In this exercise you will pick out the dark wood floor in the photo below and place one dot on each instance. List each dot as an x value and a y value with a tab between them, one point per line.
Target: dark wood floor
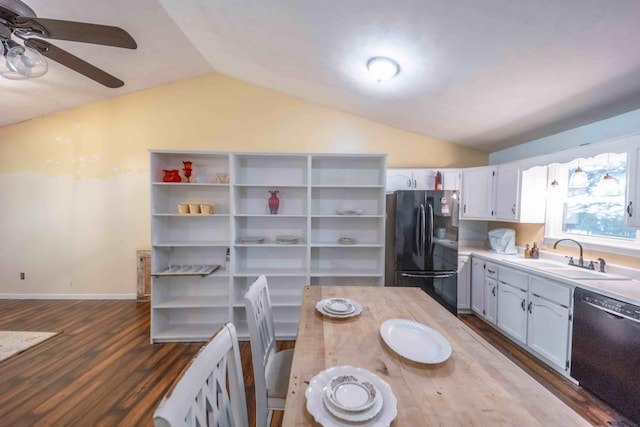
102	370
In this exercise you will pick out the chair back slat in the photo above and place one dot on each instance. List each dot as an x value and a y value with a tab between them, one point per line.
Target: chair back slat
210	390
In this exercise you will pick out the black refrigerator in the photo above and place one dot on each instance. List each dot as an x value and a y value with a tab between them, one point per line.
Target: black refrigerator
421	243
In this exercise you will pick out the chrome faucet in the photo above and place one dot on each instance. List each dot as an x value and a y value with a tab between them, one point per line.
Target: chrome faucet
581	260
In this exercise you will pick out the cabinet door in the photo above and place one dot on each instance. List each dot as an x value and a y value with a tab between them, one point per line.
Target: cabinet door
451	180
548	330
424	179
399	179
512	312
477	286
477	193
490	301
632	212
464	296
507	192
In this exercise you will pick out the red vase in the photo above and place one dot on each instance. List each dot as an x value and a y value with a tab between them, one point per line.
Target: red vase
274	202
171	175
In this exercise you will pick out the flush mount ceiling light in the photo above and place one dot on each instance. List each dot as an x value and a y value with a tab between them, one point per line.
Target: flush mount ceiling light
382	68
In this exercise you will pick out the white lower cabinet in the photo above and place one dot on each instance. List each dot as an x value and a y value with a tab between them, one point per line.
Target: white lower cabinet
512	312
464	283
535	313
484	290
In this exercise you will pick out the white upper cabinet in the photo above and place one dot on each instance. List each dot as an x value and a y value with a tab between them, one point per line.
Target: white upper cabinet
410	179
632	212
504	193
520	196
477	193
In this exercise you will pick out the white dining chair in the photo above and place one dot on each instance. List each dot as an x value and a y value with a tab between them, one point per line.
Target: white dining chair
210	390
271	369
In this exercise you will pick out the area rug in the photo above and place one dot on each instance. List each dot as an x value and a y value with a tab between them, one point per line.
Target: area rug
14	342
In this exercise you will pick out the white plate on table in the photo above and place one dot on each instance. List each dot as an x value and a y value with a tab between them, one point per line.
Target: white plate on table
321	307
315	393
339	306
415	341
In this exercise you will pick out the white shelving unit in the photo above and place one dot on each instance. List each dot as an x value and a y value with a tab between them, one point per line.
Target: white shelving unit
323	198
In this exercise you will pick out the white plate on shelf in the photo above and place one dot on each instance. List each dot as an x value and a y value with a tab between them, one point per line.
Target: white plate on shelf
252	239
318	409
320	306
415	341
347	241
287	239
349	212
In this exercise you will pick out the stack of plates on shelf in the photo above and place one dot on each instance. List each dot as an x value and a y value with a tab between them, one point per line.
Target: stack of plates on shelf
346	396
349	212
347	241
339	307
252	239
286	239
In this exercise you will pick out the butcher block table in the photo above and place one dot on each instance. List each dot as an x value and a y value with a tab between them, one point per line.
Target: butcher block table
477	385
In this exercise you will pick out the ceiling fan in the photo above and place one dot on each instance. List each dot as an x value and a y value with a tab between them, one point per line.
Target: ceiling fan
26	60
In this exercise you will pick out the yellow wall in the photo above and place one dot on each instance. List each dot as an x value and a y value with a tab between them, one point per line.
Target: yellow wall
74	185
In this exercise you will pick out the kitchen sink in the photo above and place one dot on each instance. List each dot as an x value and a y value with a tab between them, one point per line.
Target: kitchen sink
584	274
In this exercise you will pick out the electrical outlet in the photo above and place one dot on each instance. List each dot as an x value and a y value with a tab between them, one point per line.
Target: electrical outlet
21	276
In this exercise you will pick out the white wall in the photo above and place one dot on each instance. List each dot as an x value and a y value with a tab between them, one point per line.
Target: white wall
614	127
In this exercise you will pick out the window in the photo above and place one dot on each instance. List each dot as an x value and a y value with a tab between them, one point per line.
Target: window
587	200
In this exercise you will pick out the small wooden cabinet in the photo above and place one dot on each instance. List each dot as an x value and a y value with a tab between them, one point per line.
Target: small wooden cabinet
477	193
484	289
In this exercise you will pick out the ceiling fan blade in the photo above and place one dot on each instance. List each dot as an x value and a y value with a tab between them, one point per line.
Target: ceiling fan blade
76	64
74	31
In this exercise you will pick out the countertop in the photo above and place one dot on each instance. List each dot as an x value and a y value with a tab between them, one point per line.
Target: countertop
626	290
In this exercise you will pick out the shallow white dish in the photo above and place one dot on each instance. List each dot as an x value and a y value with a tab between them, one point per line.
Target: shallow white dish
354	417
320	306
350	393
339	306
415	341
315	398
349	212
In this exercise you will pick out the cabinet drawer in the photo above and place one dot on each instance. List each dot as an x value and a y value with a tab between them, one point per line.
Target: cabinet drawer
551	291
491	270
513	277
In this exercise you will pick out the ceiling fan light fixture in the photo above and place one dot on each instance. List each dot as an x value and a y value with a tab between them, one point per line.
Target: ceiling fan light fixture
26	61
382	68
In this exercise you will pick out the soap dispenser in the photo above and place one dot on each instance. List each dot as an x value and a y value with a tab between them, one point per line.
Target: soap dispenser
527	252
535	253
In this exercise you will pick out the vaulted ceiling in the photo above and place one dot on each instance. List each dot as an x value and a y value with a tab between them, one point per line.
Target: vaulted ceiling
489	74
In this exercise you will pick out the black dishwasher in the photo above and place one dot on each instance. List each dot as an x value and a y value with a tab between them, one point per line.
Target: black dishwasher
605	351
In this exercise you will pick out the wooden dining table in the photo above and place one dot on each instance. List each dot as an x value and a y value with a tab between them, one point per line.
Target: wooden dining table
477	385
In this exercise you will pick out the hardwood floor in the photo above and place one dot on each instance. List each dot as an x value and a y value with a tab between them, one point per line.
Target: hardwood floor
102	370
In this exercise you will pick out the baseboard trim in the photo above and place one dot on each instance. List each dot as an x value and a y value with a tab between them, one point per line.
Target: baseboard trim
68	296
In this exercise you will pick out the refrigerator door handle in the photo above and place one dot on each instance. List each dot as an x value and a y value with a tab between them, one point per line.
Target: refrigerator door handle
436	275
423	227
429	232
418	231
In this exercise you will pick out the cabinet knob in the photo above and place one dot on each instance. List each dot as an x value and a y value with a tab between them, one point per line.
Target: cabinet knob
530	307
409	183
493	291
513	209
630	209
523	305
415	184
464	208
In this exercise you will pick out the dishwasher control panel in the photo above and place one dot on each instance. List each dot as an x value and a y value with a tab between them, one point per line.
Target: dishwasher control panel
612	305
